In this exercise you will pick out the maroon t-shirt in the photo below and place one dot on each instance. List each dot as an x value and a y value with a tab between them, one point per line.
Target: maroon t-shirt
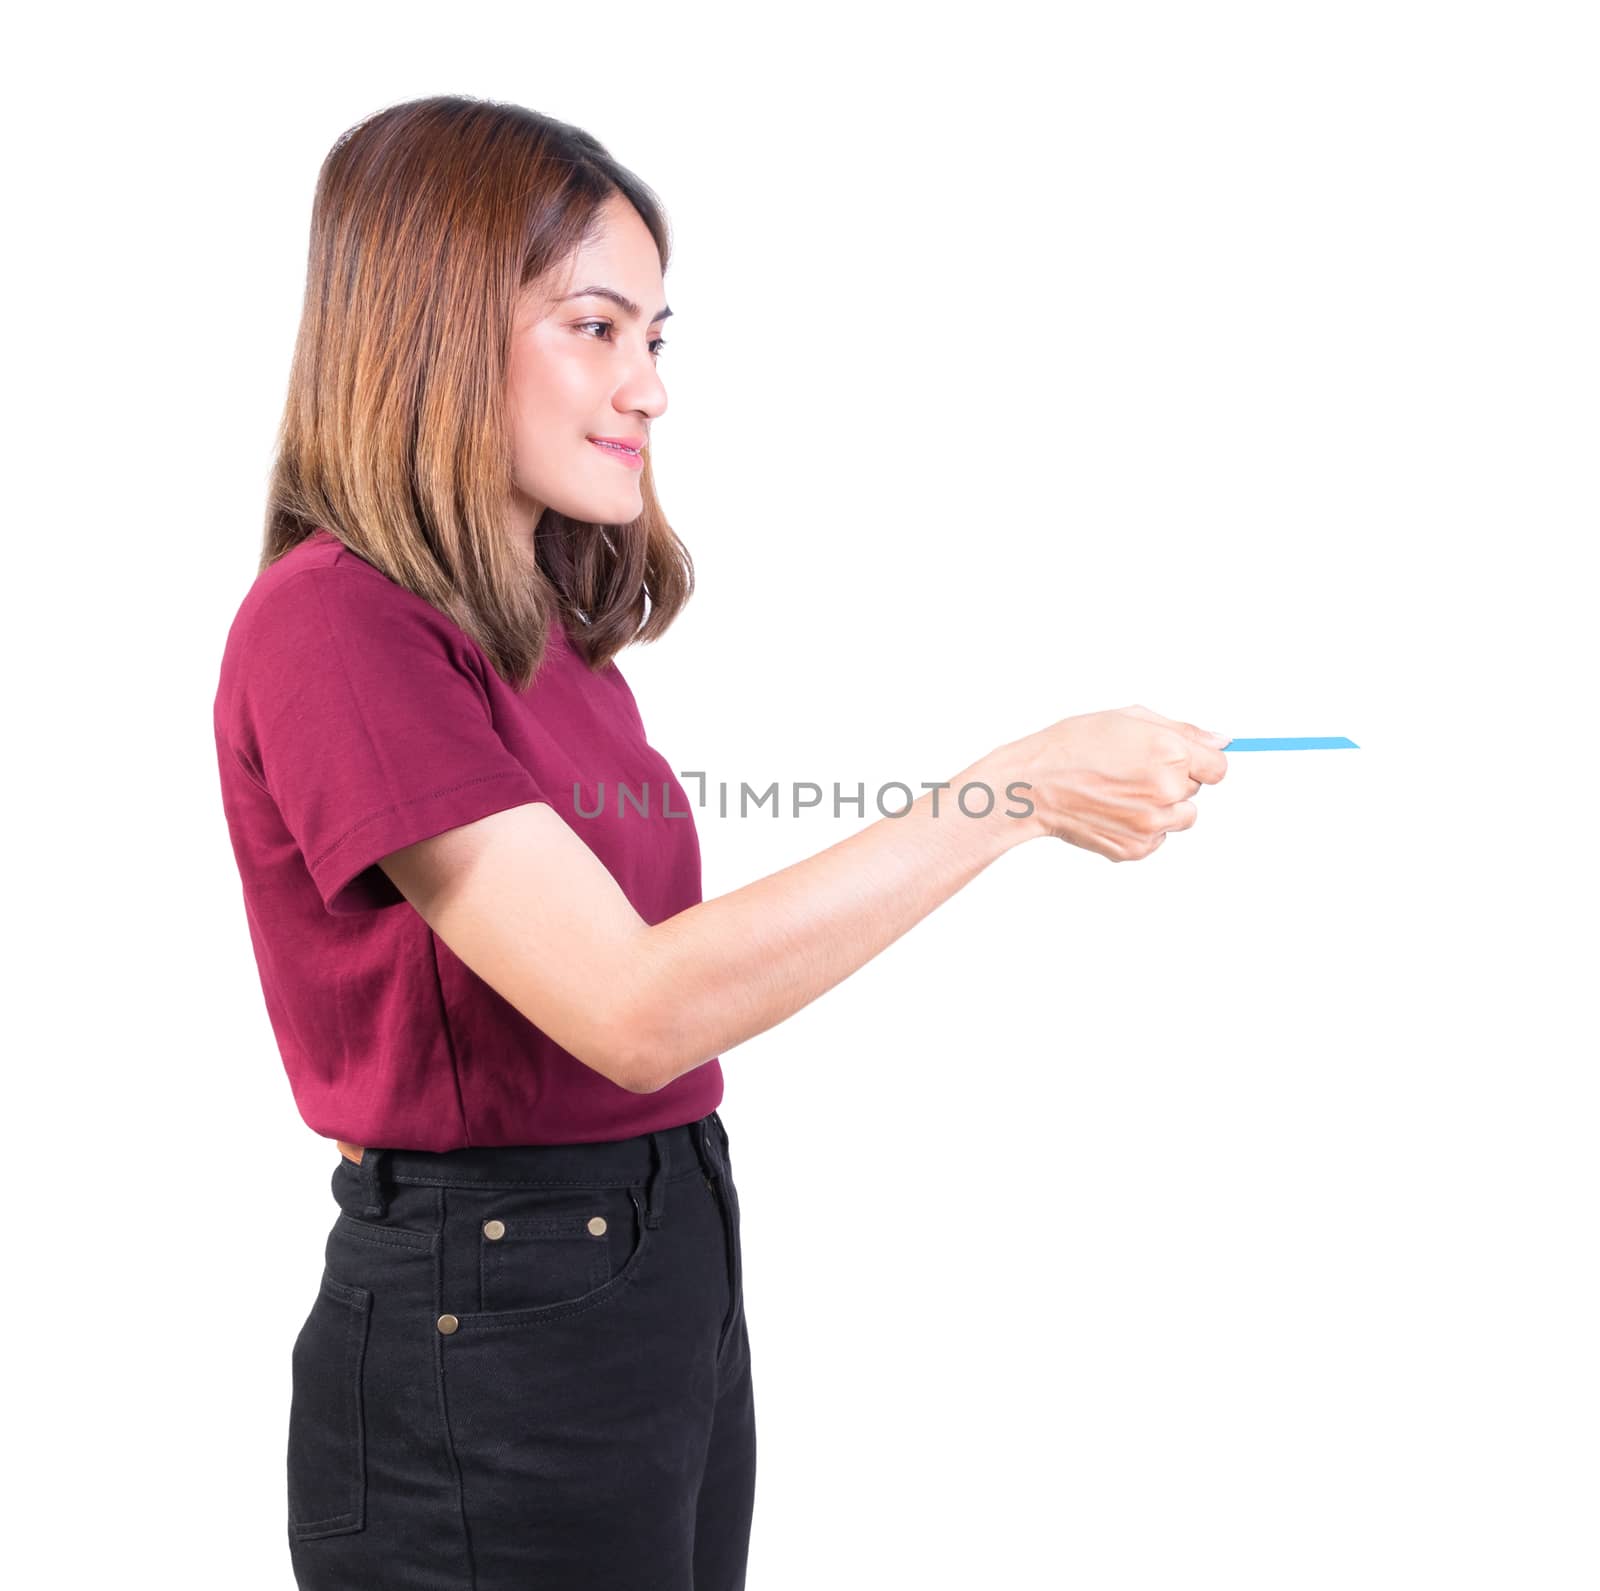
353	718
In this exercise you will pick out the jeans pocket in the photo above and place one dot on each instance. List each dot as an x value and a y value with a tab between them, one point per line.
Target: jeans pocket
538	1248
327	1459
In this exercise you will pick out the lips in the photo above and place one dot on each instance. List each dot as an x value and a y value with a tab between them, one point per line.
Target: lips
630	458
622	444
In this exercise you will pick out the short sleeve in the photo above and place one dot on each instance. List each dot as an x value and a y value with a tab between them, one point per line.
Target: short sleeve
360	710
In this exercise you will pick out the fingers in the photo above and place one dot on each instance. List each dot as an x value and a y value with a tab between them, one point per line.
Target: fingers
1183	726
1180	815
1206	761
1147	786
1206	764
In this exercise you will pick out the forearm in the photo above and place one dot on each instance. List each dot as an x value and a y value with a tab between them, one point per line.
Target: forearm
729	968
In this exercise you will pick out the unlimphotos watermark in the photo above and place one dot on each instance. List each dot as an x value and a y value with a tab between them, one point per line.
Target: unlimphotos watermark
767	802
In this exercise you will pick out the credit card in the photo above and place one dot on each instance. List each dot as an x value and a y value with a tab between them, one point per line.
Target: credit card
1291	743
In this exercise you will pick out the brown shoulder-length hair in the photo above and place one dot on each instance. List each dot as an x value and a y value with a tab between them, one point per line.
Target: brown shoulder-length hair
429	219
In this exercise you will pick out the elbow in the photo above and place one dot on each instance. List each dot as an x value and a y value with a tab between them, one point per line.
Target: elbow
625	1064
628	1055
618	1059
634	1038
639	1070
619	1062
647	1053
651	1039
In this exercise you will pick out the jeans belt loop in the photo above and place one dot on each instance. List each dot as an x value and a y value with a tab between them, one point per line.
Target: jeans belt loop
371	1186
656	1197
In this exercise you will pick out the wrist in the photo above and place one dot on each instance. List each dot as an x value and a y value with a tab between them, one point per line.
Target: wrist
998	781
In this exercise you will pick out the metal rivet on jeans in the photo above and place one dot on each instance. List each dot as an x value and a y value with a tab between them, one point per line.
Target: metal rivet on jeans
448	1323
597	1225
494	1230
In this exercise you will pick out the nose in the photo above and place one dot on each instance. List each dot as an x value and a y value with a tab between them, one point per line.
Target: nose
642	393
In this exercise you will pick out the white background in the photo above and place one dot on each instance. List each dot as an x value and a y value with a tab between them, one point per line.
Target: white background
1226	1219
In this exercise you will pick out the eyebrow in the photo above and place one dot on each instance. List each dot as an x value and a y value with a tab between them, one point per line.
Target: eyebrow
620	299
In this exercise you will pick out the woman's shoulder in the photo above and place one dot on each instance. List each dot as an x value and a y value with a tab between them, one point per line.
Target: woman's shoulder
320	552
319	607
321	580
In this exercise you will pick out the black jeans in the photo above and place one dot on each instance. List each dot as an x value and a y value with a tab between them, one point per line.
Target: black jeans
527	1368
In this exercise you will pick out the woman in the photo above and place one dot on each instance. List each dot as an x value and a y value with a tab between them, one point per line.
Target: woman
482	945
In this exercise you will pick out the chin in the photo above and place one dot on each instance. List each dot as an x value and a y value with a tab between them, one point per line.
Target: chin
619	509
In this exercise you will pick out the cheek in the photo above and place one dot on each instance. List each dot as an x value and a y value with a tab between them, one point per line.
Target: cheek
550	401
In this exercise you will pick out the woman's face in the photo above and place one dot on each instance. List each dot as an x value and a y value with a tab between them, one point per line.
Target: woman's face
583	366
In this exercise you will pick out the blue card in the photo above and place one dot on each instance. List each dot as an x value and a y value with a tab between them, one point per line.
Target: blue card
1292	743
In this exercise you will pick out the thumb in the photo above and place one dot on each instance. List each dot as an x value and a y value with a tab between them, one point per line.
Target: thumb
1205	737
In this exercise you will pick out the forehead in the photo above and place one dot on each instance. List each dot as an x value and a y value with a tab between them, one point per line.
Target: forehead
621	254
621	240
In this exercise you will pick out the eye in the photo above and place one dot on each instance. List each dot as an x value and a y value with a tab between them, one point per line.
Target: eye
609	326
